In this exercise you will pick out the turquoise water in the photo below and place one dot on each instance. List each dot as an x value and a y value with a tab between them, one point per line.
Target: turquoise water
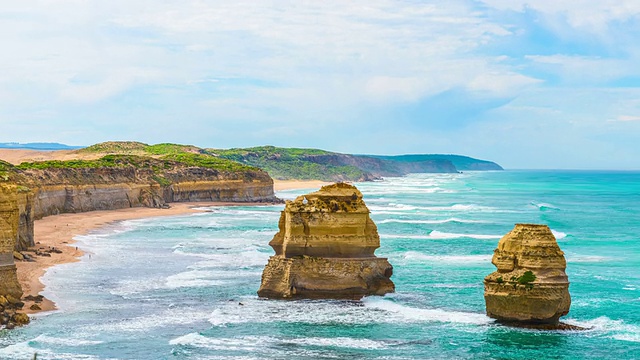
185	287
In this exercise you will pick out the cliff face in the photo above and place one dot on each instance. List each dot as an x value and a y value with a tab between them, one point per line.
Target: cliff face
73	190
59	191
9	220
325	249
530	285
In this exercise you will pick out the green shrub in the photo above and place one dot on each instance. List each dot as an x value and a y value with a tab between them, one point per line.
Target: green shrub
526	278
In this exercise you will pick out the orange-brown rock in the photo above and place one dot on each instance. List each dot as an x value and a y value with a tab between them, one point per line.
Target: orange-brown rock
530	285
10	195
325	249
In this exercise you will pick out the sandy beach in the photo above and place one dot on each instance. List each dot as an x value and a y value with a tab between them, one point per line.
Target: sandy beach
58	232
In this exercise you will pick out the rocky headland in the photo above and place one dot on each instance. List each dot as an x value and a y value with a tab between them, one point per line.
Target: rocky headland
325	249
530	287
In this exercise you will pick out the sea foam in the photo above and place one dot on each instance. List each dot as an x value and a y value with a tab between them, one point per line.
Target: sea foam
442	221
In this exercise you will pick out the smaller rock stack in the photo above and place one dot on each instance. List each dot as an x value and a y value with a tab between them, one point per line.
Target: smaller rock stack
325	249
531	287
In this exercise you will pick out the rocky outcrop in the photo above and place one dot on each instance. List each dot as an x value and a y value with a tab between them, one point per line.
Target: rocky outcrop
530	286
9	220
9	315
325	249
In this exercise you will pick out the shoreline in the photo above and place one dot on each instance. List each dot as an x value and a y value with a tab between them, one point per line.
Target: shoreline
59	231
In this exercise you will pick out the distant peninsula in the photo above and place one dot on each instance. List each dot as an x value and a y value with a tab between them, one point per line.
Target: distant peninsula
315	164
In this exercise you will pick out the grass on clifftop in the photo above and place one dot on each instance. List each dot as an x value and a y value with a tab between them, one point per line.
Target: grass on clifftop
207	161
186	154
115	161
290	163
114	147
5	167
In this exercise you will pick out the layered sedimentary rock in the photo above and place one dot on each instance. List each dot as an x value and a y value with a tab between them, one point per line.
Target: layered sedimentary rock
530	285
9	220
73	190
325	249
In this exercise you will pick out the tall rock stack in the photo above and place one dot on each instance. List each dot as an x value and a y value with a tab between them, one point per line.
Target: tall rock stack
9	233
325	249
530	286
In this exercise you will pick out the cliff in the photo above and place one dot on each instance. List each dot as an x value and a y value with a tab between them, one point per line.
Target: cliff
325	249
10	200
530	285
122	181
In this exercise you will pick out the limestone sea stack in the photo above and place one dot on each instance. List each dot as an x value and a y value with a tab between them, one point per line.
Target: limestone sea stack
325	249
530	286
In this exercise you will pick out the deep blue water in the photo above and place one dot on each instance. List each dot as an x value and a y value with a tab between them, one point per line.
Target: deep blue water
185	287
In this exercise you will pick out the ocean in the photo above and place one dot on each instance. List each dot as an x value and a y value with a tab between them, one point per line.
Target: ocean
185	287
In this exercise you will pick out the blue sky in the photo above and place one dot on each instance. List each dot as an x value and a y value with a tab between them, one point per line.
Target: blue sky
529	84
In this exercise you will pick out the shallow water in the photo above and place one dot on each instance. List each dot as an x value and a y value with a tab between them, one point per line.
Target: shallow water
184	287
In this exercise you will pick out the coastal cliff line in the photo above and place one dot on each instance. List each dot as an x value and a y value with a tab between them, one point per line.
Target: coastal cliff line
123	181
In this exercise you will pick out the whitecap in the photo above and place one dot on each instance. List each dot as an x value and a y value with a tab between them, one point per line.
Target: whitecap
257	343
442	221
452	259
412	314
169	317
245	343
614	329
67	341
193	278
558	234
22	350
335	312
587	259
243	259
439	235
544	206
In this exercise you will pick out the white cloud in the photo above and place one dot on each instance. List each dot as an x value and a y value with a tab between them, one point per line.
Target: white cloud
583	69
628	118
588	15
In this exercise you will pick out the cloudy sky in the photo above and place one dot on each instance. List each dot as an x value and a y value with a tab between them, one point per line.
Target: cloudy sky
529	84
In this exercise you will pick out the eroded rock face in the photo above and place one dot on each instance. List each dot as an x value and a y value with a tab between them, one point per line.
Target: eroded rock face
530	285
9	234
325	249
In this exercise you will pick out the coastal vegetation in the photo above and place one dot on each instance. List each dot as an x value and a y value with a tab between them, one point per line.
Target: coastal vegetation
292	163
307	164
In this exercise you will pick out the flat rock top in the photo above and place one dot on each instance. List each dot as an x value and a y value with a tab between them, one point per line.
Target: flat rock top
337	190
338	197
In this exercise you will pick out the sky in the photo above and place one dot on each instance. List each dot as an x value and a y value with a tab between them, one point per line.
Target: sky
528	84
